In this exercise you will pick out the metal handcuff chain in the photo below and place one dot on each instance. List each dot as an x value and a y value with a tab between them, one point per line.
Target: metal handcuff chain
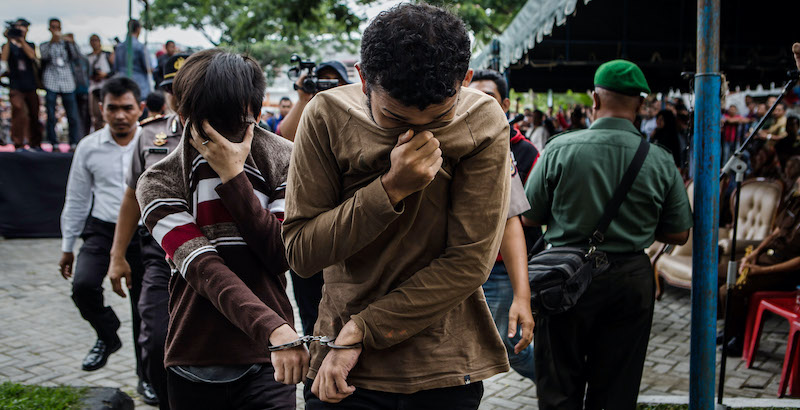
323	340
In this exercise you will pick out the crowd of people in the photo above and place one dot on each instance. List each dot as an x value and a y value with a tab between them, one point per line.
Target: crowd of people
406	217
772	155
65	73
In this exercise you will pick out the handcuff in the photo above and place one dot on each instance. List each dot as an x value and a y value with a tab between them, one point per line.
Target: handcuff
323	340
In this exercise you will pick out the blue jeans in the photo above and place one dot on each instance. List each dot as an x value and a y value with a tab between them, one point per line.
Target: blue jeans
499	296
71	107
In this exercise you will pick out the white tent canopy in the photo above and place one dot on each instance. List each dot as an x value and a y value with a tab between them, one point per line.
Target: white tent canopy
536	19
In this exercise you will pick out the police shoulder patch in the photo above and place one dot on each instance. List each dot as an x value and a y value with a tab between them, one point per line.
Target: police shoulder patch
152	118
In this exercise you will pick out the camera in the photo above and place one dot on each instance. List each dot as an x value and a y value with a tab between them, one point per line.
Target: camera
96	74
311	84
12	31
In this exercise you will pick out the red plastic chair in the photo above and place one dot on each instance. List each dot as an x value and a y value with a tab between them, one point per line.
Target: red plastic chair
785	307
790	375
755	301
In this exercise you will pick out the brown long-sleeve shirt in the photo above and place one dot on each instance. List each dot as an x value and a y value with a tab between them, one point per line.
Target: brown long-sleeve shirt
411	275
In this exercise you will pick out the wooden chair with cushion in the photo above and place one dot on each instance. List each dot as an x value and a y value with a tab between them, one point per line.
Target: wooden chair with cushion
761	199
759	204
675	259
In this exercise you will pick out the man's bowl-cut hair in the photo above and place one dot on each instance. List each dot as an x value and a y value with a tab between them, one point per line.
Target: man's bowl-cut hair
225	88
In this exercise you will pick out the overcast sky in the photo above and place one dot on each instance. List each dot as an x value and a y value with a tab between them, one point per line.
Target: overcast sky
106	18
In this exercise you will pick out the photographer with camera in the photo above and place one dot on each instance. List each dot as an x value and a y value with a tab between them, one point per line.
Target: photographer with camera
58	55
20	55
101	65
327	75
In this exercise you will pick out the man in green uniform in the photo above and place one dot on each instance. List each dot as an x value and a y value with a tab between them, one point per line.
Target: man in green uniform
601	342
160	135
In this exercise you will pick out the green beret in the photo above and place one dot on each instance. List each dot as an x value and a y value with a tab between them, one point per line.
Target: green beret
621	76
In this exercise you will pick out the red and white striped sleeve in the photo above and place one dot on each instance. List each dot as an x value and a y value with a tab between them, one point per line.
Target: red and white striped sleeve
175	229
171	224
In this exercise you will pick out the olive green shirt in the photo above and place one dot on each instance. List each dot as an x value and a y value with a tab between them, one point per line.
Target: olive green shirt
577	174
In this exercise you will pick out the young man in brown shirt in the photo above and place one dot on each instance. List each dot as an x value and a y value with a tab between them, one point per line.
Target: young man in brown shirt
398	190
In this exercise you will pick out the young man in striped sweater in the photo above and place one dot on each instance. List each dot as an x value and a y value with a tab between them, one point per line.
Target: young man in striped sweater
215	204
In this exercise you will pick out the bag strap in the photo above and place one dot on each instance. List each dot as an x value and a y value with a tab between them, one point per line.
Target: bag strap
612	207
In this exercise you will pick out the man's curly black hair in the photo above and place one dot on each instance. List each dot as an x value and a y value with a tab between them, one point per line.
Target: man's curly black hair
418	53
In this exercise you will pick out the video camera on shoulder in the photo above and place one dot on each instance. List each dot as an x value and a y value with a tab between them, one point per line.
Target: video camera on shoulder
12	31
312	84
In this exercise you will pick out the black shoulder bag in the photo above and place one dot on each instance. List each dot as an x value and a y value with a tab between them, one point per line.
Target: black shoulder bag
558	276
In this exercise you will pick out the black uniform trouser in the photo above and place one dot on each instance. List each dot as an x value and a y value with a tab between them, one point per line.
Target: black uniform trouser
154	309
87	283
308	294
601	342
739	298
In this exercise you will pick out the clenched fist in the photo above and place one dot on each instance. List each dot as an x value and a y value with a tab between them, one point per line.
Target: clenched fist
415	161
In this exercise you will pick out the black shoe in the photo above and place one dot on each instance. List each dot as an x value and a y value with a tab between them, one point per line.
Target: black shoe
720	338
735	347
145	390
98	356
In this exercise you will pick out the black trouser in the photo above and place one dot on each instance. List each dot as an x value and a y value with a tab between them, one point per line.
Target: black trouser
258	391
739	298
308	294
601	341
87	283
459	397
84	112
154	309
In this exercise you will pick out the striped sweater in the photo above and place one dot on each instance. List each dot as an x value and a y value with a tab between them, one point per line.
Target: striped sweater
228	289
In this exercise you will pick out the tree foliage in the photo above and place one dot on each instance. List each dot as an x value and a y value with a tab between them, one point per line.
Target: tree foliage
486	19
269	29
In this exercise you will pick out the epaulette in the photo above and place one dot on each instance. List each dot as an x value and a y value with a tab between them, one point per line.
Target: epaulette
655	144
152	118
564	133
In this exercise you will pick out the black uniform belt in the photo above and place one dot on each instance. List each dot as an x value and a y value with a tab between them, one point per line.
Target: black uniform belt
618	256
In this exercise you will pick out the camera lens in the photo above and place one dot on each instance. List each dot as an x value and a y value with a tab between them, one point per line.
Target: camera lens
294	74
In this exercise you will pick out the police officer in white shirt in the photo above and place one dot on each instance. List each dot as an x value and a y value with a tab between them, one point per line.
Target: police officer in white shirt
96	183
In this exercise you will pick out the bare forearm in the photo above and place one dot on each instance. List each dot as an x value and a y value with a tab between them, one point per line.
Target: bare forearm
514	253
678	238
761	246
4	55
289	124
127	221
28	50
530	222
791	265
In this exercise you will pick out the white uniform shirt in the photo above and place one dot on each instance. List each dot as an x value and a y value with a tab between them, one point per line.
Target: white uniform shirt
97	175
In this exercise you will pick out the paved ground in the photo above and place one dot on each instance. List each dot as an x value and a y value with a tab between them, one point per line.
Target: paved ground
43	339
